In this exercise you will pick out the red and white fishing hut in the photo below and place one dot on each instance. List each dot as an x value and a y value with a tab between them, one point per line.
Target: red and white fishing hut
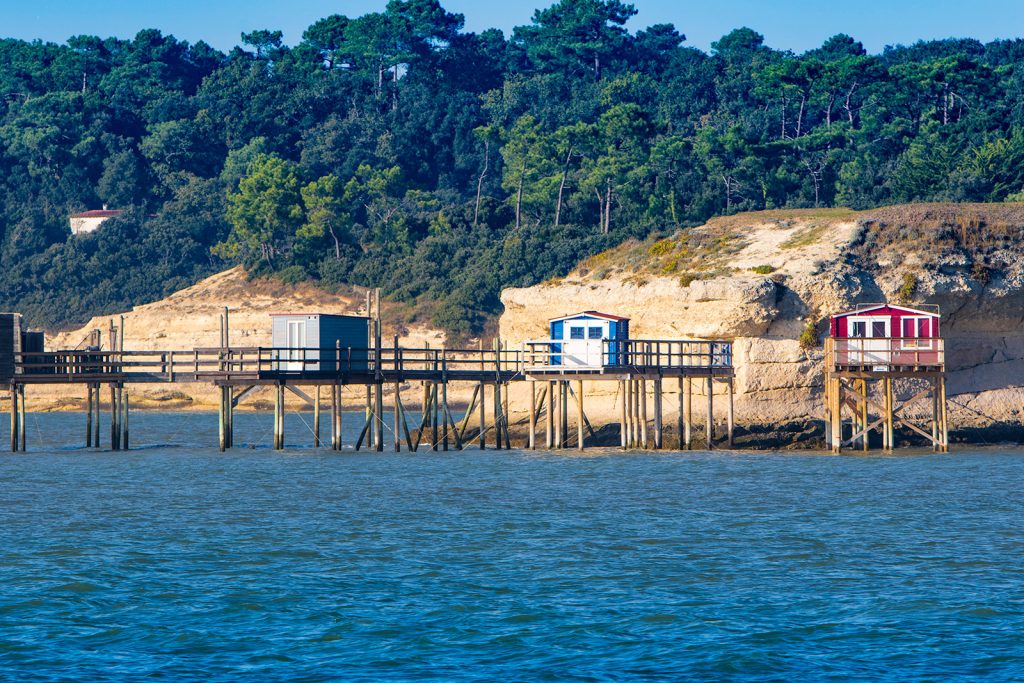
868	348
878	335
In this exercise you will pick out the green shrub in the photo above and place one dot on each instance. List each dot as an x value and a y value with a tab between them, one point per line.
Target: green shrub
809	337
907	289
763	269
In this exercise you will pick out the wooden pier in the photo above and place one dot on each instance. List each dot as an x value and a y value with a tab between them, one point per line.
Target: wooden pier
639	368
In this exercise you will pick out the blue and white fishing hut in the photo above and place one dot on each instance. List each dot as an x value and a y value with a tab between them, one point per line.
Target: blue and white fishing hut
320	342
579	340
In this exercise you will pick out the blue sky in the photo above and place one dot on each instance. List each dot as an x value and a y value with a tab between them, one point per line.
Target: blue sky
787	24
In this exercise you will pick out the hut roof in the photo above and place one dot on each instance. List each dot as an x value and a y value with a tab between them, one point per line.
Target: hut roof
864	309
592	314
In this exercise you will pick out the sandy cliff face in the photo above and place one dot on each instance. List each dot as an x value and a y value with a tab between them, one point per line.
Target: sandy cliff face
191	318
705	283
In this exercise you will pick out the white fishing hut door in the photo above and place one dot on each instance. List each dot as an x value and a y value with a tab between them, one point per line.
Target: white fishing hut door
296	342
870	339
584	343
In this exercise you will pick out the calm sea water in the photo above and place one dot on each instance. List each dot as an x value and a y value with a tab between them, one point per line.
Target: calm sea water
175	562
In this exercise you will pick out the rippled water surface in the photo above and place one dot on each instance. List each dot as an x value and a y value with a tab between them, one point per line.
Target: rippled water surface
177	562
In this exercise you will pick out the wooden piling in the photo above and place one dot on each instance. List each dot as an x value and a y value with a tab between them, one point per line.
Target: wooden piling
563	401
730	415
532	441
115	433
709	426
657	415
279	418
124	420
434	412
396	418
623	436
549	419
482	410
579	414
22	421
944	430
444	399
222	411
14	418
643	412
96	405
688	411
88	416
316	417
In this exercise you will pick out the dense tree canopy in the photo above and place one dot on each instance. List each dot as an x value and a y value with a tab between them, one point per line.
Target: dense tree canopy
397	150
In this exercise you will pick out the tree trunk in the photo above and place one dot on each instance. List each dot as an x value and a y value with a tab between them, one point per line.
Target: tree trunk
800	114
337	243
782	118
608	206
480	181
519	197
828	110
848	105
561	187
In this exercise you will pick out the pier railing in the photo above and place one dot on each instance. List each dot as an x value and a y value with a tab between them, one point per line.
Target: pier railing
235	363
639	354
885	353
362	364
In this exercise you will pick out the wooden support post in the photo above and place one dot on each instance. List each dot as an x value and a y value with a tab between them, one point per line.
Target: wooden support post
434	433
864	415
936	446
679	417
88	417
532	441
444	399
579	414
563	401
336	417
837	414
549	419
731	415
623	435
496	396
14	418
709	426
22	421
482	409
827	397
688	418
316	417
279	418
396	418
643	412
115	441
124	420
657	415
628	403
231	417
96	423
944	432
222	411
379	417
636	413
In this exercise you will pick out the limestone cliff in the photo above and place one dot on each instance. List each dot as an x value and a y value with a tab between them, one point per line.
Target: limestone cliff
769	280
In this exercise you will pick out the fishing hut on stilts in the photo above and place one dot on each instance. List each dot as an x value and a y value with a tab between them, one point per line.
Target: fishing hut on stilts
884	370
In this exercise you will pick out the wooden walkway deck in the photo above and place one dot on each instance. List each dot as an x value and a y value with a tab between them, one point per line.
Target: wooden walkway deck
238	371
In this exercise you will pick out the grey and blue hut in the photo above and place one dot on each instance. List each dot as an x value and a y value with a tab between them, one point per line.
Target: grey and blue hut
320	342
579	340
